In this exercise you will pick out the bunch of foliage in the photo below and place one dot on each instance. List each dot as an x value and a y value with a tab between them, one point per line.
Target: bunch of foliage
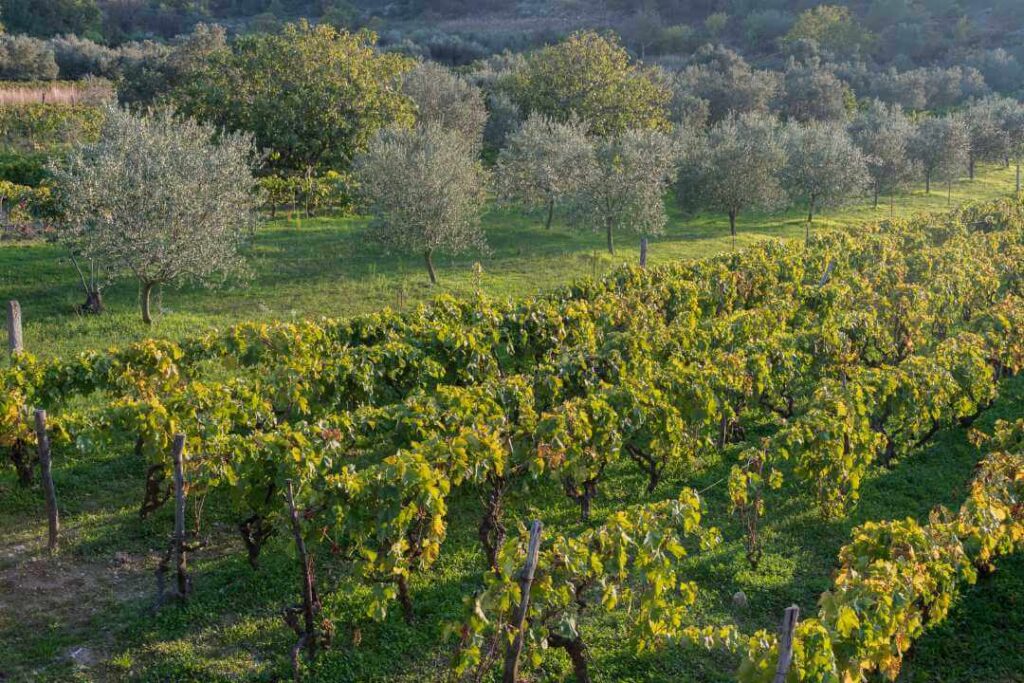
313	95
156	198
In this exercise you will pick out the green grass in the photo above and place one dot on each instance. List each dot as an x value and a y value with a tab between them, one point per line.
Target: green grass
328	267
92	602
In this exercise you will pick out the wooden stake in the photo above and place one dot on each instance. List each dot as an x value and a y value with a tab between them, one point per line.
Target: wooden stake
643	252
525	581
177	455
786	643
15	343
46	474
827	275
308	609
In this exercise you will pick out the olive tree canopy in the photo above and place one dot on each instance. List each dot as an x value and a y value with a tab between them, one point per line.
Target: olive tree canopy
627	189
941	145
447	99
735	166
425	187
883	133
545	162
156	198
823	166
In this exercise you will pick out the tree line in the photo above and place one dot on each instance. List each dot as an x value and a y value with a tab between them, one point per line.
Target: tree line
577	130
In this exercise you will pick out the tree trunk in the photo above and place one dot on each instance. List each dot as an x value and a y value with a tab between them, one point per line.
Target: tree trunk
93	302
577	652
428	257
970	169
405	599
732	222
949	193
551	214
927	183
491	531
810	211
611	241
876	196
144	296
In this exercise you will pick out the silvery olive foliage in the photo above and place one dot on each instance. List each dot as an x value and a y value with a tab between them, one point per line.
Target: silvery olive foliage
989	139
942	148
23	58
1012	118
883	132
626	192
545	162
823	166
813	92
735	166
156	198
425	187
447	99
503	119
729	85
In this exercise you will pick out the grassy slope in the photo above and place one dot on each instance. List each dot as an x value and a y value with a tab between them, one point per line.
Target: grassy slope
327	267
90	605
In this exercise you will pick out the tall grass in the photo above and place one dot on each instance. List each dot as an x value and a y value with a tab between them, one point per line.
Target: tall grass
90	91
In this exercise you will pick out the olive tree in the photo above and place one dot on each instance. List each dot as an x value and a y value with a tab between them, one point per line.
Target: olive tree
626	191
727	83
883	134
447	99
1013	123
823	166
158	199
425	187
545	162
941	145
26	59
989	140
813	92
734	167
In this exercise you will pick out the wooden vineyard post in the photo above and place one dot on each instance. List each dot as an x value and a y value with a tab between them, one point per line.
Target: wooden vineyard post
643	252
46	474
177	453
310	604
525	581
15	342
177	547
786	643
827	275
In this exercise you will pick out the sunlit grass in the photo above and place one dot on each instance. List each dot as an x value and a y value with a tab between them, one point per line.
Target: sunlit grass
306	268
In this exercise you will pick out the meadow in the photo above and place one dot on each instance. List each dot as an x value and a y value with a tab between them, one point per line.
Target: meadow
328	266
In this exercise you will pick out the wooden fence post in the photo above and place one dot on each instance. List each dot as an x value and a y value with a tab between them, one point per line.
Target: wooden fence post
511	673
46	474
786	643
177	454
15	344
643	252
